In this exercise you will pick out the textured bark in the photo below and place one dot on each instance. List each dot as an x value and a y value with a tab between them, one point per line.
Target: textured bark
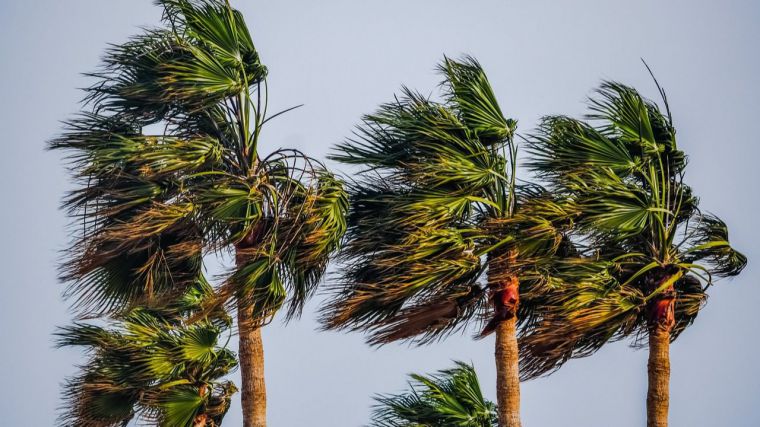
253	390
661	320
505	296
253	394
658	393
508	373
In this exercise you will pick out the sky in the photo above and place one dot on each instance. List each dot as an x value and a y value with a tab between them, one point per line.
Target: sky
342	59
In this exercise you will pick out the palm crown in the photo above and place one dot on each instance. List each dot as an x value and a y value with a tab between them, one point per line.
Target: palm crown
199	184
449	398
151	365
437	194
621	181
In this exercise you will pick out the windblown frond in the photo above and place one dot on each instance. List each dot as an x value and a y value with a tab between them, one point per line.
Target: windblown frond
470	91
451	398
205	56
708	243
314	229
149	367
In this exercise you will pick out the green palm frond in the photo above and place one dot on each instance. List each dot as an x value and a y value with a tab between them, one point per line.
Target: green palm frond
576	322
469	89
315	230
180	407
424	143
537	228
110	281
638	123
149	366
709	243
569	149
214	24
258	282
206	55
451	397
417	271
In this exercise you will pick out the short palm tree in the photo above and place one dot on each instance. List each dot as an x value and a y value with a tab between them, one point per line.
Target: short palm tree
434	208
621	178
449	398
151	366
170	169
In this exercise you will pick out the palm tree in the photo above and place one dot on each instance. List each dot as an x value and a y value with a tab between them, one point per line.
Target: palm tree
435	207
167	156
621	178
151	366
449	398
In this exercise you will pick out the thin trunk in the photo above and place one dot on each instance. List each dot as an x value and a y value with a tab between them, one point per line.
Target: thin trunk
661	322
658	394
253	393
505	296
508	373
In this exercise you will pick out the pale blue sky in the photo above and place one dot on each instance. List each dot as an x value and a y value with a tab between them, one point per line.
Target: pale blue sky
343	58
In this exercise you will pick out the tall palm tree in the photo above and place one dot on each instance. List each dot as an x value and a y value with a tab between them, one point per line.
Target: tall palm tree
168	159
151	365
449	398
435	207
621	178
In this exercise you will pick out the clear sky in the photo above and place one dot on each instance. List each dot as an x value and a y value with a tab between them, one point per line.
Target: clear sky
342	59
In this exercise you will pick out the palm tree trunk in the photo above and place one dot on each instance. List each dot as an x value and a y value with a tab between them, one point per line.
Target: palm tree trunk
661	319
253	393
508	373
505	296
658	393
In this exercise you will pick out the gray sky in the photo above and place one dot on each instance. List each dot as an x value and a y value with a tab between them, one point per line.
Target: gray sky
343	58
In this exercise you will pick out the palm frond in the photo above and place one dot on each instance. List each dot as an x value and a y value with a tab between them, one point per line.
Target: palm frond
470	91
150	367
451	397
314	232
708	242
205	56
